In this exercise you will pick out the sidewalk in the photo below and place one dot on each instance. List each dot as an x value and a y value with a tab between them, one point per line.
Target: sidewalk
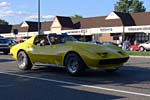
139	56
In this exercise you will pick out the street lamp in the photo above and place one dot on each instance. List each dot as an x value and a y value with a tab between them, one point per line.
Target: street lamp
39	26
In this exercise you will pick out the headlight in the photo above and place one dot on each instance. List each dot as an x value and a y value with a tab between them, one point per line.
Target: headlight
104	54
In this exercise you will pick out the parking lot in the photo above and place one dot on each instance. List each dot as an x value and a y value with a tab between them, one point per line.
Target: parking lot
131	82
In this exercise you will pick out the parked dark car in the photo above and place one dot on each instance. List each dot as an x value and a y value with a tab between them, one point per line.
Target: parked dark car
5	45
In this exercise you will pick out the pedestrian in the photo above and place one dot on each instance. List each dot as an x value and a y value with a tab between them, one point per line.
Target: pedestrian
125	45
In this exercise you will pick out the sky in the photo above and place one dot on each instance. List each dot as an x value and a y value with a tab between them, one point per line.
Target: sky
17	11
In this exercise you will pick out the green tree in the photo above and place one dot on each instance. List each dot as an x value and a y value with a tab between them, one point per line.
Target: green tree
129	6
3	22
76	16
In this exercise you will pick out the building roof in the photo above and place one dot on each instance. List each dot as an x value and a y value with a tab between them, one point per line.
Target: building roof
142	18
5	29
126	18
95	22
65	22
33	26
101	21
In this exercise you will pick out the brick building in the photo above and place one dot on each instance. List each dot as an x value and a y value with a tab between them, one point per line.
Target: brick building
114	27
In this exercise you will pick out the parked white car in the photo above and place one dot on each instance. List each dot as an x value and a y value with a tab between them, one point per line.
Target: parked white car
145	46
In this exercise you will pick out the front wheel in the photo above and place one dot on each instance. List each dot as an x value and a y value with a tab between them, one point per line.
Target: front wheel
142	49
23	61
74	64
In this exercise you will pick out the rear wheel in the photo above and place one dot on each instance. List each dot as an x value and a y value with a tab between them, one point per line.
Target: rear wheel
74	64
23	61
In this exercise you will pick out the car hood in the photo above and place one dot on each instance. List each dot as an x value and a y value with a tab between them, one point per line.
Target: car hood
96	48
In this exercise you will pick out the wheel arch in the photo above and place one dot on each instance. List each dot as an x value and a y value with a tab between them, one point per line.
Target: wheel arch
20	51
25	53
142	47
74	53
28	64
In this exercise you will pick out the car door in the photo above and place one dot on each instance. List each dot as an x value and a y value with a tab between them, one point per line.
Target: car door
147	45
52	54
38	51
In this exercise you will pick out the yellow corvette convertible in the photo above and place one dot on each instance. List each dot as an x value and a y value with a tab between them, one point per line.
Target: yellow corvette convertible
66	51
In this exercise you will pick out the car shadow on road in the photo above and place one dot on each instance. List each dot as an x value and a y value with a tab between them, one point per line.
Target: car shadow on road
125	76
26	88
5	60
57	73
3	53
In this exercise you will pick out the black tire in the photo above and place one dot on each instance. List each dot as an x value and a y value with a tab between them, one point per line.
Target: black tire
142	48
74	64
23	61
111	70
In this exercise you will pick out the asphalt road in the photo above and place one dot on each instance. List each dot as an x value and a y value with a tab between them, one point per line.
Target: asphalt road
131	82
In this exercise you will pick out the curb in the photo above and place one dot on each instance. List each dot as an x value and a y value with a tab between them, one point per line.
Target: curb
140	56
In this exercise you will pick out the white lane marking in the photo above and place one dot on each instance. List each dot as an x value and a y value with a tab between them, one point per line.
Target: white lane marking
77	84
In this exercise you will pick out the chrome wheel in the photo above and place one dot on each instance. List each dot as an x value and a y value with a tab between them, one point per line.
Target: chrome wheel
74	64
23	61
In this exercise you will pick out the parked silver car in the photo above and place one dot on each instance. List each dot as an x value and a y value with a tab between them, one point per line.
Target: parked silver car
145	46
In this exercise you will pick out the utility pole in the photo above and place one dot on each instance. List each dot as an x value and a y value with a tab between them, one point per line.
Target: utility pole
39	26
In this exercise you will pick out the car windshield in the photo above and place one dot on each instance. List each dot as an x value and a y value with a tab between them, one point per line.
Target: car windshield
62	38
148	41
11	41
69	38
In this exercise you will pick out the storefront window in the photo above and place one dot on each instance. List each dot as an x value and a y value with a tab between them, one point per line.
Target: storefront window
115	35
148	36
116	38
142	37
96	37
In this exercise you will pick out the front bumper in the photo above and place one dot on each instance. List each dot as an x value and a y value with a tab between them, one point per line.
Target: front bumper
113	61
110	63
